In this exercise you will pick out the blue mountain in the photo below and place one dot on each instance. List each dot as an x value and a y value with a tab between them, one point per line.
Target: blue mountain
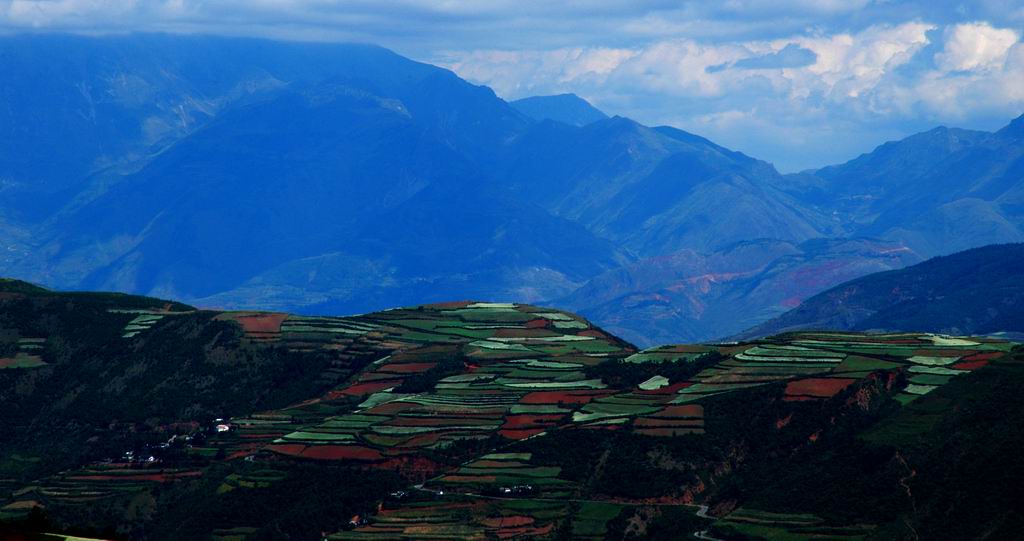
977	291
339	177
237	171
566	108
939	192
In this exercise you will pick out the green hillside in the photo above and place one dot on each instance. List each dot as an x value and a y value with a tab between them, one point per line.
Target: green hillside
135	418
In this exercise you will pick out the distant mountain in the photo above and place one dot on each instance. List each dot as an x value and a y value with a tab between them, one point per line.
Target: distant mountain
346	178
654	190
332	158
972	292
339	177
939	191
566	108
296	176
695	297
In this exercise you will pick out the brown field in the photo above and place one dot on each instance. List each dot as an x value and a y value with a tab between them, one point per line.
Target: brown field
816	388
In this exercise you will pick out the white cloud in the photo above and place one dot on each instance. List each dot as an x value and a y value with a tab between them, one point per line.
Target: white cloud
846	66
850	65
975	46
860	84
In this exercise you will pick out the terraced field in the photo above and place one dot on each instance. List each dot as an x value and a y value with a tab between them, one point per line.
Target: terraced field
85	486
27	354
453	397
462	518
754	524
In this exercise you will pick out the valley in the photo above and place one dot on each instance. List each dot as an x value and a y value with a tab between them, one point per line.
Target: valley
326	178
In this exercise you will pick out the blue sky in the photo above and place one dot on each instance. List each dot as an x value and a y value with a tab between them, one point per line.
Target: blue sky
801	83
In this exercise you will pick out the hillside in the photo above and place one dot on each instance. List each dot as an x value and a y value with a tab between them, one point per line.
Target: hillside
692	297
135	418
976	291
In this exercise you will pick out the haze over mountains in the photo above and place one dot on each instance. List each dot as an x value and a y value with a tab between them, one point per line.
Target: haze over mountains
726	291
346	178
977	291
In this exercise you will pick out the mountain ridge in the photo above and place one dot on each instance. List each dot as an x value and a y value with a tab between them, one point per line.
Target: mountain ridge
973	291
566	108
697	297
293	157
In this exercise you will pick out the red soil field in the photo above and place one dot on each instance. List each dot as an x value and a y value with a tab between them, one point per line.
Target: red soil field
520	434
289	449
415	468
603	427
423	440
816	387
687	410
986	356
523	421
536	324
261	323
513	521
971	365
567	397
594	333
407	368
360	389
326	452
450	305
341	452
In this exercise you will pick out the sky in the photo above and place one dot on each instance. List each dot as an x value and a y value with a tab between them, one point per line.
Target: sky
800	83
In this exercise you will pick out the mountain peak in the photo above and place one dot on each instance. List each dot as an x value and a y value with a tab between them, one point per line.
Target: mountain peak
1014	129
566	108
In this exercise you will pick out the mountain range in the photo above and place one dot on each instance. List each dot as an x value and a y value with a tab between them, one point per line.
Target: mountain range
345	178
977	291
727	291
